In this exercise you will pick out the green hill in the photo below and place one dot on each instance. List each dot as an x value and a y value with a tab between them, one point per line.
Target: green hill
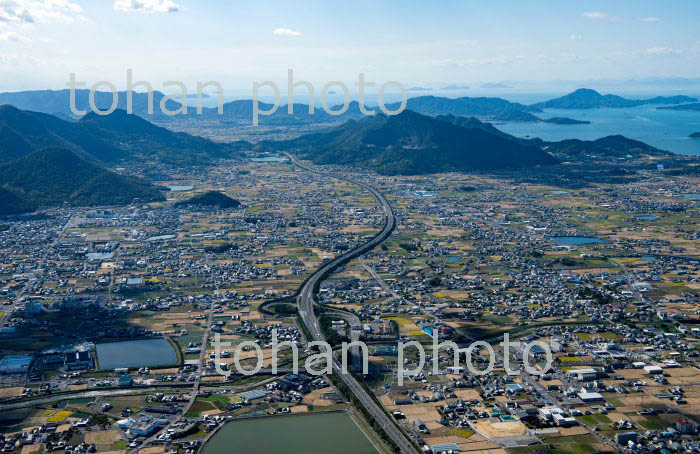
54	176
211	199
11	204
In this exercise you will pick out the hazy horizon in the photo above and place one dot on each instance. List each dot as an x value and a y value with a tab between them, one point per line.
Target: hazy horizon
430	44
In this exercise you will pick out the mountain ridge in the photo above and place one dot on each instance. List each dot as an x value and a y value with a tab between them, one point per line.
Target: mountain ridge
105	138
412	143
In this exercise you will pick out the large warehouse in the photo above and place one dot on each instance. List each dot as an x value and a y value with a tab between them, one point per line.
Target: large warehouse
15	364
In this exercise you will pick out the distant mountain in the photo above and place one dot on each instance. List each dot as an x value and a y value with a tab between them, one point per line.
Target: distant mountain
54	176
471	122
495	108
695	135
211	199
109	138
585	98
691	107
57	102
514	115
411	143
240	112
606	147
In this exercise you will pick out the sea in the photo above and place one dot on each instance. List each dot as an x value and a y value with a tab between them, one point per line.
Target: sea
664	129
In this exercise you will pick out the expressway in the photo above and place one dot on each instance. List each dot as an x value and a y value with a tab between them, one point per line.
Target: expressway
306	309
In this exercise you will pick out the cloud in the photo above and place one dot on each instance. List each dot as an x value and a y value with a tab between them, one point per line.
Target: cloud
13	36
596	15
146	6
285	32
649	19
661	50
575	37
19	60
42	11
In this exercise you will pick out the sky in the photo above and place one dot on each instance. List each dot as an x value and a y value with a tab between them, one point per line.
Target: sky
425	43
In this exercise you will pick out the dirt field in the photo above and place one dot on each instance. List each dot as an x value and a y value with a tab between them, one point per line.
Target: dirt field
31	449
153	450
468	394
102	437
6	393
493	429
316	397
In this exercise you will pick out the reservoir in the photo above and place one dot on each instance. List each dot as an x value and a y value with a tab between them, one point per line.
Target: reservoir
329	433
135	353
270	159
577	240
180	188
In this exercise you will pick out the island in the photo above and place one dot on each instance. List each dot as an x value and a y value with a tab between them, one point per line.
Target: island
695	135
565	121
585	98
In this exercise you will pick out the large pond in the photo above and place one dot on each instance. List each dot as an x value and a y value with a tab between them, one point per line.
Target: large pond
328	433
271	159
135	353
180	188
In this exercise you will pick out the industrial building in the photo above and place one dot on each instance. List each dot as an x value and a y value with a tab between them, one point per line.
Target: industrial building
15	364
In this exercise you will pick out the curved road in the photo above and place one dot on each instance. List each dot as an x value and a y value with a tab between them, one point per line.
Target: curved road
306	309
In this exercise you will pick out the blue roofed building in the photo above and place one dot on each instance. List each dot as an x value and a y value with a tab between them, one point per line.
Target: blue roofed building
15	364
